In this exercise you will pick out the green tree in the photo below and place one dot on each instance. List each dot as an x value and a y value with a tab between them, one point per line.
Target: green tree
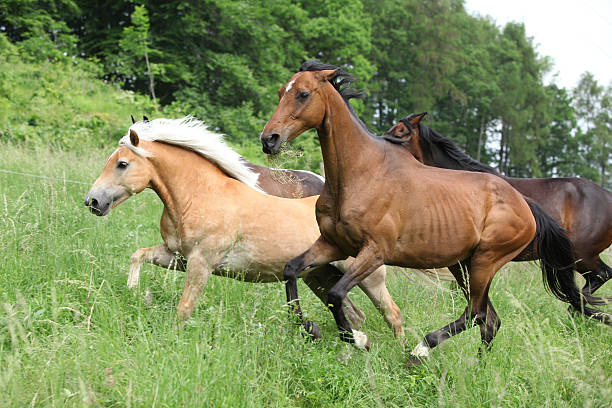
134	60
466	112
559	153
522	105
39	26
414	49
594	111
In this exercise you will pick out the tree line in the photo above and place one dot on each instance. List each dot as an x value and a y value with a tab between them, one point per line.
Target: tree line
224	60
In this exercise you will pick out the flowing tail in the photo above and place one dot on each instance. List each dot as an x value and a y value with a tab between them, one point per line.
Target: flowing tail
556	254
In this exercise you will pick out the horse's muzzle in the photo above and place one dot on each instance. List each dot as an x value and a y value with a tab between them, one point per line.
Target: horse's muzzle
99	204
270	143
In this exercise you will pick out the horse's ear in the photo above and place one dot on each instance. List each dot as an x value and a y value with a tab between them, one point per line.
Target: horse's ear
145	118
326	74
133	137
416	119
133	120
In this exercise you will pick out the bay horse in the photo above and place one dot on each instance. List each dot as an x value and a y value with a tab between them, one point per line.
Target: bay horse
384	207
216	216
581	207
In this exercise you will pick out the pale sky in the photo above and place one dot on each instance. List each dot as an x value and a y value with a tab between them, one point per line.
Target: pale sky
577	35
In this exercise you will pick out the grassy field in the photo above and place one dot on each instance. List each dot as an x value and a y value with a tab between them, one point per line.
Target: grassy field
72	334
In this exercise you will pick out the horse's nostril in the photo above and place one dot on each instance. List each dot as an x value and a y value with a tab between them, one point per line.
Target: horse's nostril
273	138
270	140
93	203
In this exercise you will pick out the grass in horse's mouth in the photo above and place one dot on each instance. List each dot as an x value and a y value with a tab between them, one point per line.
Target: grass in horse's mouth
284	155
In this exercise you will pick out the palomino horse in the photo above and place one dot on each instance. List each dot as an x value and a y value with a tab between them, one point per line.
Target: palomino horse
383	207
204	186
580	206
281	182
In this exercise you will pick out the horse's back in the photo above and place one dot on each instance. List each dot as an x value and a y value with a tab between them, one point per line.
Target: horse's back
582	207
288	183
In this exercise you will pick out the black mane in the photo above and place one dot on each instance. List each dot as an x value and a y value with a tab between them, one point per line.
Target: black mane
434	144
341	81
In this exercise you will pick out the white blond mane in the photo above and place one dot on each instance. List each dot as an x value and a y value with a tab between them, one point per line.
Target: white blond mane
192	134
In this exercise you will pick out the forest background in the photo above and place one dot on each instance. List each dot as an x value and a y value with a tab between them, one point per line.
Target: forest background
72	72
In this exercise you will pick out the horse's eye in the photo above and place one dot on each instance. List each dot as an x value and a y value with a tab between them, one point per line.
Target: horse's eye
122	164
303	94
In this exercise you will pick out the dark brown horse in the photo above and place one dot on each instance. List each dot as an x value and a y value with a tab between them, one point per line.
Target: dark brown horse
385	207
580	206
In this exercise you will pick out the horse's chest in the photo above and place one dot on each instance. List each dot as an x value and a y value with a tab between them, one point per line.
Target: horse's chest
342	227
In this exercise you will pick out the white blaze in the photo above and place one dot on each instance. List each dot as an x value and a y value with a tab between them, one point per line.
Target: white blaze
289	85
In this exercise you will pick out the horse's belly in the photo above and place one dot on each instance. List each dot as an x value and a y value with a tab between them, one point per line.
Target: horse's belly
239	263
437	258
422	250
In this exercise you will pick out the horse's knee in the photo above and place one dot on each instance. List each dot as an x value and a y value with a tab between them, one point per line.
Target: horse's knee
335	297
137	256
291	270
183	312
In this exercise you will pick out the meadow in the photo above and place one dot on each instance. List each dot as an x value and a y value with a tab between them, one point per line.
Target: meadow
72	334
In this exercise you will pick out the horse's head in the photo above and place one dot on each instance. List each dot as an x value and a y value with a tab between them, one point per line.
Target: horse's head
300	108
126	173
406	132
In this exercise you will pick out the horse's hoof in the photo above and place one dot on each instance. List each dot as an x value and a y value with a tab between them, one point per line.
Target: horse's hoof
573	311
413	361
313	331
361	340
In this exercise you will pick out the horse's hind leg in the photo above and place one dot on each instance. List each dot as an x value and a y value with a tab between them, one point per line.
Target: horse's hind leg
595	272
489	325
320	253
321	280
433	339
480	272
374	286
158	255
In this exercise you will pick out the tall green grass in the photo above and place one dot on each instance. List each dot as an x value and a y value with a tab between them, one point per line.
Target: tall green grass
72	334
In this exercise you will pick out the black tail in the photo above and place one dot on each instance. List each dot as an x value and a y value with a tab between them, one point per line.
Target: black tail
556	254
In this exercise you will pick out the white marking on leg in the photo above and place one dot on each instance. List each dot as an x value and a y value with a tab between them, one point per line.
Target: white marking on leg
360	339
134	275
421	350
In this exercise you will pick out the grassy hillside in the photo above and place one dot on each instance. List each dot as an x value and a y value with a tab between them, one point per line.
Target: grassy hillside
64	105
72	334
61	103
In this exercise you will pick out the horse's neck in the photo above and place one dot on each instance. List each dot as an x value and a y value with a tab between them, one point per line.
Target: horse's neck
436	157
180	174
346	146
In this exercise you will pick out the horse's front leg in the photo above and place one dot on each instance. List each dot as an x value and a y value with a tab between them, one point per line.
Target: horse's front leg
367	261
158	255
320	253
198	272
